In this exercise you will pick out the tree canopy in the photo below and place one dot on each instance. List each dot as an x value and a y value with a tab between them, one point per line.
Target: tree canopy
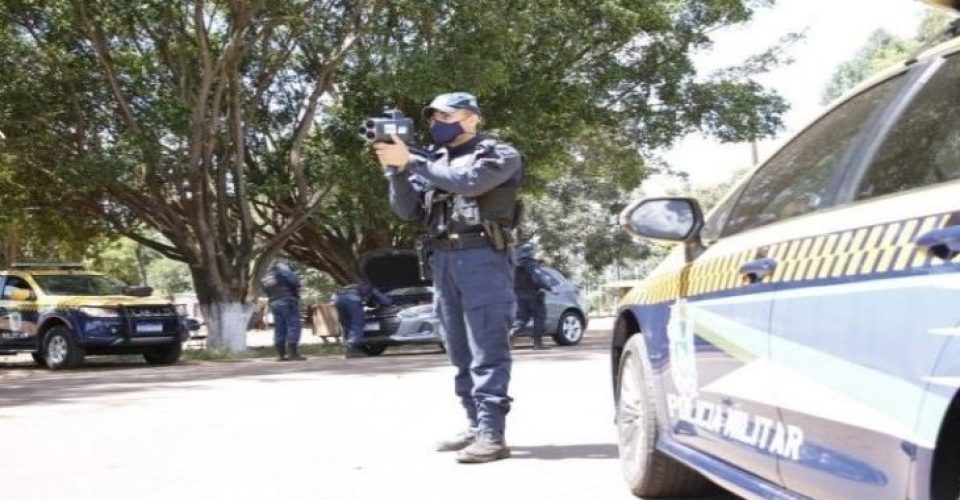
227	127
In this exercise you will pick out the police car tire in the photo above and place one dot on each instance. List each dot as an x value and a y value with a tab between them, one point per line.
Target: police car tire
165	355
562	339
374	350
74	352
648	471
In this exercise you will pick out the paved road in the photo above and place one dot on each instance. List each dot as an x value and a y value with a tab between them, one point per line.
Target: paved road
321	429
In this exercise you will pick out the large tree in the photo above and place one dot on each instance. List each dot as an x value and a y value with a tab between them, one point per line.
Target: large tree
177	116
583	88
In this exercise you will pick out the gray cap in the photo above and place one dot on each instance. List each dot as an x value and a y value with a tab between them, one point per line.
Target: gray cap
448	103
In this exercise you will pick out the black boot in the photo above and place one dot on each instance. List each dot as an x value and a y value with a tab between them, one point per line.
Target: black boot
294	355
281	352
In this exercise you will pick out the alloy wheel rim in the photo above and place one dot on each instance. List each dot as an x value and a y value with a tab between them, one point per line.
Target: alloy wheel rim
57	350
572	329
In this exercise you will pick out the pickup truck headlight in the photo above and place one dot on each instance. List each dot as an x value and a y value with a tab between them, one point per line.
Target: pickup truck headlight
100	312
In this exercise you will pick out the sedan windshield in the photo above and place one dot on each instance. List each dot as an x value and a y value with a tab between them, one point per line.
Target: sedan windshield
85	285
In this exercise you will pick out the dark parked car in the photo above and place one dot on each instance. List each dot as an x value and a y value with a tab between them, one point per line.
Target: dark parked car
412	319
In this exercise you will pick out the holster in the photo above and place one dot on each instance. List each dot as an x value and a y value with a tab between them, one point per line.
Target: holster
424	247
500	238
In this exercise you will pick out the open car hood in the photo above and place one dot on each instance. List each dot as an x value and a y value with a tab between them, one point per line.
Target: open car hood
390	268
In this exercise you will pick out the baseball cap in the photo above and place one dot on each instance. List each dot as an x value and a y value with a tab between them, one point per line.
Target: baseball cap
451	102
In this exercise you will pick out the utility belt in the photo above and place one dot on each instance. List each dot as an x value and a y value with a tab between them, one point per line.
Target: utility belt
462	241
490	235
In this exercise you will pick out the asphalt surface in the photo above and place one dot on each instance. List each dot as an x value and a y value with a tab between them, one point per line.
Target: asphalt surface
325	428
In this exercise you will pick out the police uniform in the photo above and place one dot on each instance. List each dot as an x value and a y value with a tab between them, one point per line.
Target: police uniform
282	287
466	197
349	302
529	287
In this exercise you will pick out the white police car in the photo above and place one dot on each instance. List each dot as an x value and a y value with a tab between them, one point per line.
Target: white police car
804	339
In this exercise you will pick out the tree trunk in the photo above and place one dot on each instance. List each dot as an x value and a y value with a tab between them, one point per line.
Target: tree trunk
226	311
226	324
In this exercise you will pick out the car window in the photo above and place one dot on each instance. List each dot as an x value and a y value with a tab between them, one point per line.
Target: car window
550	277
795	180
923	148
14	283
87	285
718	218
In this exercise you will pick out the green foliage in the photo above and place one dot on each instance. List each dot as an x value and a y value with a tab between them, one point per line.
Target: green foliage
881	51
583	89
136	264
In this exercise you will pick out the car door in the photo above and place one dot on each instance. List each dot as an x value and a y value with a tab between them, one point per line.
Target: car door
719	329
18	313
554	299
869	301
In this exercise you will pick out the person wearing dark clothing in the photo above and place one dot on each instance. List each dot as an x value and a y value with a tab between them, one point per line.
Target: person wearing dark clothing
530	285
282	287
349	302
464	193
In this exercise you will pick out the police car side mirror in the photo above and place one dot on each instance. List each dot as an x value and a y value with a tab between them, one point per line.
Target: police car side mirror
664	219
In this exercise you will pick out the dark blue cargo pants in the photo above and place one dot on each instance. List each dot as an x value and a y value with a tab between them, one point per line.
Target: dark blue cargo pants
350	311
475	302
532	305
286	321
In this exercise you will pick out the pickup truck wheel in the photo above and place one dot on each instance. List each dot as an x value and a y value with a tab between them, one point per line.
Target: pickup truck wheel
60	349
165	355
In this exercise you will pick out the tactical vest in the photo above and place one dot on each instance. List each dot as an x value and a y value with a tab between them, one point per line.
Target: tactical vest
523	281
274	287
454	213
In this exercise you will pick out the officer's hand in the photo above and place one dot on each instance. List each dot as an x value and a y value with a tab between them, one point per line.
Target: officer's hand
393	155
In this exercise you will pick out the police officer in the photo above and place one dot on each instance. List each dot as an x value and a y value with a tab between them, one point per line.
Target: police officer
530	286
349	302
465	193
282	287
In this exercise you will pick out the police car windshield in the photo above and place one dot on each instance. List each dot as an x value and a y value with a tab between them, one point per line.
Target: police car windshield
79	285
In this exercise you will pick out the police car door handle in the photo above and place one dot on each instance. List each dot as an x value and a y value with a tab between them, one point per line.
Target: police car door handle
943	243
755	270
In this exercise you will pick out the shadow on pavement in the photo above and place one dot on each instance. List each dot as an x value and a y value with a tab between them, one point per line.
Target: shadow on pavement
25	383
561	452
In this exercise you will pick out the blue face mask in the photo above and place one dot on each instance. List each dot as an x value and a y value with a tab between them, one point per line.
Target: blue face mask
443	132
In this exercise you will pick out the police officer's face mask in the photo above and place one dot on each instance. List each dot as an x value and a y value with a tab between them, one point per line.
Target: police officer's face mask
444	132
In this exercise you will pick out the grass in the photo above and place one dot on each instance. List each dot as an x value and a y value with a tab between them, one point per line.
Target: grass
258	352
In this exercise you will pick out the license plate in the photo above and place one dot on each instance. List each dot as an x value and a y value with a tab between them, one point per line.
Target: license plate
371	326
149	327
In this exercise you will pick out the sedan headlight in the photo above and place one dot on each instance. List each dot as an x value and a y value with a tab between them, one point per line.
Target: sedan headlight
100	312
416	312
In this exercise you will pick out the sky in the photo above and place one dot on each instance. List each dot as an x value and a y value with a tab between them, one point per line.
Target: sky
835	31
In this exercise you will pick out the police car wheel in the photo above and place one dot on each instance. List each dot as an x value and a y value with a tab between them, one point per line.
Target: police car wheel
166	355
374	350
60	350
569	329
38	358
648	471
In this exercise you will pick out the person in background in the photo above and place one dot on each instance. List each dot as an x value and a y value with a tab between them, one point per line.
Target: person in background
530	285
282	287
349	302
